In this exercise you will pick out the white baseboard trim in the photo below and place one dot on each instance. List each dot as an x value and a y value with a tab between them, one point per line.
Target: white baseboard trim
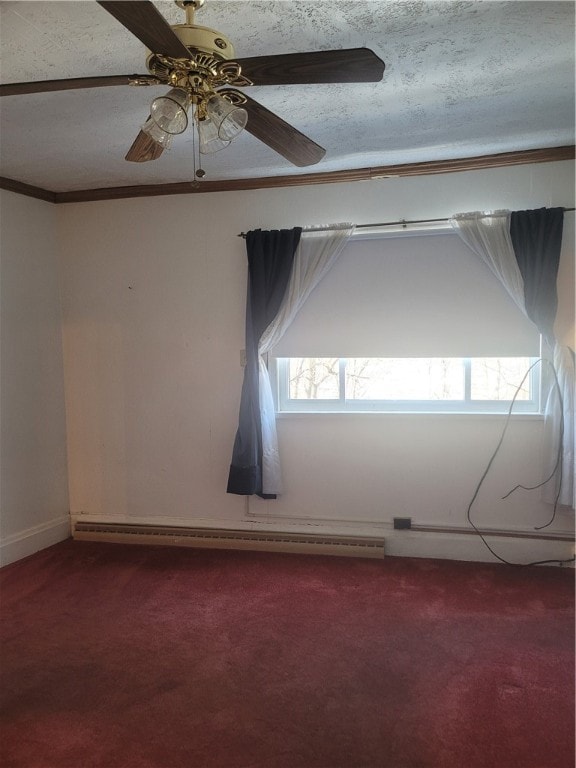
449	546
27	542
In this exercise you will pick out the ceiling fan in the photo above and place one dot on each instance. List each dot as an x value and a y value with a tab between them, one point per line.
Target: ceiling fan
203	73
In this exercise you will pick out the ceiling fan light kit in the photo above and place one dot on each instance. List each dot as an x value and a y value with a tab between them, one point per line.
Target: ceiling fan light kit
170	112
228	118
162	138
201	69
209	141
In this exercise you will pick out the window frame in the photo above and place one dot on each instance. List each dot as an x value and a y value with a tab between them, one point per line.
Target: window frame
279	369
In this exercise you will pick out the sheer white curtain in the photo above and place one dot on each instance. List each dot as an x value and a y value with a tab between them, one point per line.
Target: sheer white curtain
564	366
488	235
315	256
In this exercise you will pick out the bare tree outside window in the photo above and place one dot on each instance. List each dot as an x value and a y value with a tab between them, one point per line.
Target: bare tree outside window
313	378
388	378
497	378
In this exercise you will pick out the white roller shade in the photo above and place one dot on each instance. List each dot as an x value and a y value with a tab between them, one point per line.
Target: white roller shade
409	296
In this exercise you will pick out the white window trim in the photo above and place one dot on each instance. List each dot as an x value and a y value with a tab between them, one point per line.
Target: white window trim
284	404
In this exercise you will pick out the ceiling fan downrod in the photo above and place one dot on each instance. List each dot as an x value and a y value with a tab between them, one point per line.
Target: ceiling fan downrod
190	6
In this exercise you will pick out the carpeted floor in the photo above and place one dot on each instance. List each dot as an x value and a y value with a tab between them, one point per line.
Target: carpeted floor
119	656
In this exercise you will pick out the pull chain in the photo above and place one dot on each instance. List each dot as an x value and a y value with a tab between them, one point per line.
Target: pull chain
199	172
194	129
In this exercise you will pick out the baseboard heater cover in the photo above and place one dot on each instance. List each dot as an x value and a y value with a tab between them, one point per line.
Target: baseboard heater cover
220	538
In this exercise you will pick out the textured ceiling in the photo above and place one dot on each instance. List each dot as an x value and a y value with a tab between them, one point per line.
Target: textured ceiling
462	79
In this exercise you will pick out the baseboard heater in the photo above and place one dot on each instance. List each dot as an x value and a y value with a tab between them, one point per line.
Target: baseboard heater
218	538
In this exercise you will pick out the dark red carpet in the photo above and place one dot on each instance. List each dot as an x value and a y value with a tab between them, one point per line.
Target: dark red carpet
120	656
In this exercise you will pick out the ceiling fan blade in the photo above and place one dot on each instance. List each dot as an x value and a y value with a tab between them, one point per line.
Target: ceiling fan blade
72	83
147	23
355	65
144	149
281	136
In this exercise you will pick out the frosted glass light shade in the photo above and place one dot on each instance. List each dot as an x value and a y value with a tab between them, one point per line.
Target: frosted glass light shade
228	118
156	133
170	112
210	142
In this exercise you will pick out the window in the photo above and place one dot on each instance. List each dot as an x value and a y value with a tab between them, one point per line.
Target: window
410	322
407	384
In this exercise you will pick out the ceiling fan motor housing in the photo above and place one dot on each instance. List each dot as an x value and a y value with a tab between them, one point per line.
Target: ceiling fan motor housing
208	47
205	40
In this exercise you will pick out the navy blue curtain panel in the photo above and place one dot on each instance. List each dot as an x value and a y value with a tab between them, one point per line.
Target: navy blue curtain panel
537	239
270	260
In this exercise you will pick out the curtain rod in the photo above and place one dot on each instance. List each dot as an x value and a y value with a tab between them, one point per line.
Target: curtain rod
402	222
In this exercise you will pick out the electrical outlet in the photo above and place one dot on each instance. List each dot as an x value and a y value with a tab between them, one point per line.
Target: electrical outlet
402	523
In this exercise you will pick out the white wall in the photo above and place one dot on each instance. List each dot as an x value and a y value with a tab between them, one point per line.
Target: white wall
153	298
34	481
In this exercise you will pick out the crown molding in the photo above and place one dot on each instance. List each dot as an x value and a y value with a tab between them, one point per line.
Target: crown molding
12	185
548	155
